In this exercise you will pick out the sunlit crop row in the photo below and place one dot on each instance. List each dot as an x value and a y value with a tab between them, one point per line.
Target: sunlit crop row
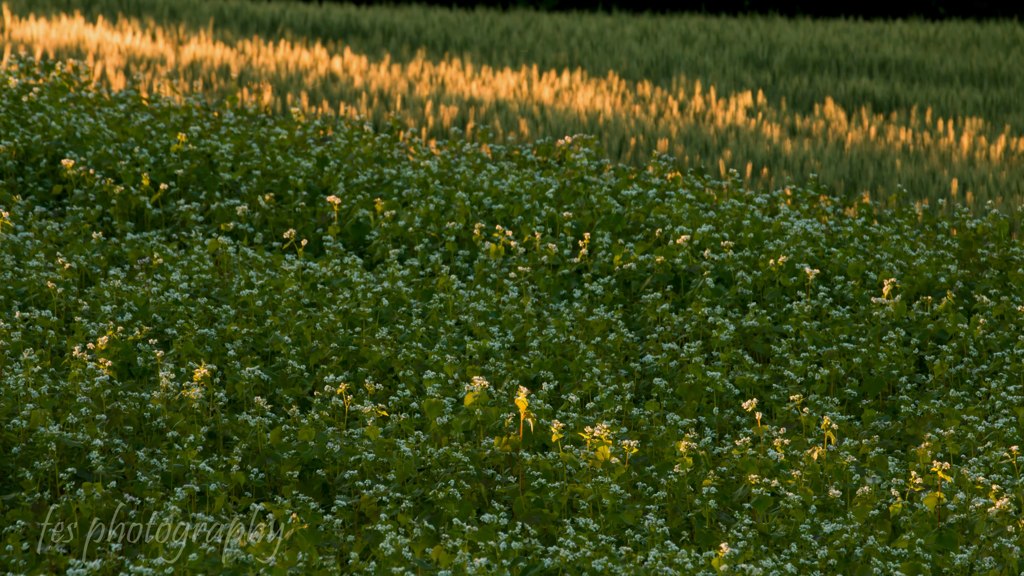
854	151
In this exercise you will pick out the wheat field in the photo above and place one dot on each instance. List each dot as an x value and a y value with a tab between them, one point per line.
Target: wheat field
892	155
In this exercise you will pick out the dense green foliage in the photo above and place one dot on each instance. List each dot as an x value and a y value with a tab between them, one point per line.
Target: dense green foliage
484	358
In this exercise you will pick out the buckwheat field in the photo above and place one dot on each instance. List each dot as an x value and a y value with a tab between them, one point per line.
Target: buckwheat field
437	315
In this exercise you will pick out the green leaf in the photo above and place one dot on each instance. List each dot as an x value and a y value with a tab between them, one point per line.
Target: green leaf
872	386
275	436
475	397
762	503
218	502
433	408
895	509
933	499
855	269
306	434
947	539
38	417
441	556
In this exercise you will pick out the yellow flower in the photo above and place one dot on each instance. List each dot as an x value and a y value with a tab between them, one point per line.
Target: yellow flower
888	285
630	447
940	470
201	374
685	446
523	405
521	402
829	427
556	430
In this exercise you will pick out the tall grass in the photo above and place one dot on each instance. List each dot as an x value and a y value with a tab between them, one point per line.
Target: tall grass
869	107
